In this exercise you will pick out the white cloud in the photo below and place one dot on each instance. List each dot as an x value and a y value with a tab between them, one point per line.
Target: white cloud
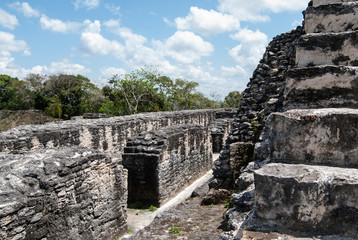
248	53
89	4
59	26
92	27
25	9
8	66
107	73
95	43
207	22
254	10
65	67
186	47
9	44
112	23
234	71
7	20
115	10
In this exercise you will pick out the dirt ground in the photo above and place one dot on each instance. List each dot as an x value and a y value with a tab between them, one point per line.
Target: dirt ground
188	220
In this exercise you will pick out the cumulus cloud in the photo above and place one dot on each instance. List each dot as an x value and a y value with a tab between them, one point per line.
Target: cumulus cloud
65	67
254	10
8	44
186	47
8	20
8	66
207	22
89	4
25	9
112	24
59	26
251	48
108	72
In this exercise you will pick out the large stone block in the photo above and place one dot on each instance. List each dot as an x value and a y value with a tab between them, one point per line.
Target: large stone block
66	193
161	163
306	198
338	17
316	3
327	49
321	87
317	136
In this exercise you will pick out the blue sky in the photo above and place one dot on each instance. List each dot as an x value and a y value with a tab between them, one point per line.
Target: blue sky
216	43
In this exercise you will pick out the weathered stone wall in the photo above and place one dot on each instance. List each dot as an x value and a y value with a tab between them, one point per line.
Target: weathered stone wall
59	184
109	134
62	193
160	163
264	95
220	129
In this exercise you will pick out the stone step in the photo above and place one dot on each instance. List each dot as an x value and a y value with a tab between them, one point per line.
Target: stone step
340	17
326	136
316	3
321	87
308	198
327	49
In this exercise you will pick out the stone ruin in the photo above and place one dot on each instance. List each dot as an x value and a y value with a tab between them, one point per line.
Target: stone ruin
68	180
291	152
299	178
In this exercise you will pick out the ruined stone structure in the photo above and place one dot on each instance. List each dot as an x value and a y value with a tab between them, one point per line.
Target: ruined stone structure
303	180
66	180
66	193
162	162
312	186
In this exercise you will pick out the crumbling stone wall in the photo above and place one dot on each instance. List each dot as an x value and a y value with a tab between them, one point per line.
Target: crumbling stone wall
162	162
60	184
264	94
65	193
108	134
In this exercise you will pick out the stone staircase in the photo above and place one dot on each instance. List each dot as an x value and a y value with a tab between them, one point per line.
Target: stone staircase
310	186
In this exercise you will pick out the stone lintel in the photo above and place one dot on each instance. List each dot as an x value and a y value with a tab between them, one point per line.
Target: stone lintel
327	49
340	17
305	198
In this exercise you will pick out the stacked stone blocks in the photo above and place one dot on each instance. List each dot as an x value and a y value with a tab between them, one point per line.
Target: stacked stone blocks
311	187
163	162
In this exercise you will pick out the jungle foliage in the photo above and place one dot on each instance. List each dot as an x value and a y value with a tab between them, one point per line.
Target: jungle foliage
63	96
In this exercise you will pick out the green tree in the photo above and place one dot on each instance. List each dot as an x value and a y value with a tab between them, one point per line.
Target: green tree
135	92
65	96
15	94
233	99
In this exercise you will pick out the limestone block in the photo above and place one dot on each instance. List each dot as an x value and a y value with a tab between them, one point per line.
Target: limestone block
162	162
106	134
327	49
321	86
326	2
331	18
314	136
63	193
307	198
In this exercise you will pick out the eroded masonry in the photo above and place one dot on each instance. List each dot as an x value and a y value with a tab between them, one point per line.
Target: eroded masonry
300	179
67	181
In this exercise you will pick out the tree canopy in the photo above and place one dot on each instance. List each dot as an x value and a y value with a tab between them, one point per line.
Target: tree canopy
63	96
